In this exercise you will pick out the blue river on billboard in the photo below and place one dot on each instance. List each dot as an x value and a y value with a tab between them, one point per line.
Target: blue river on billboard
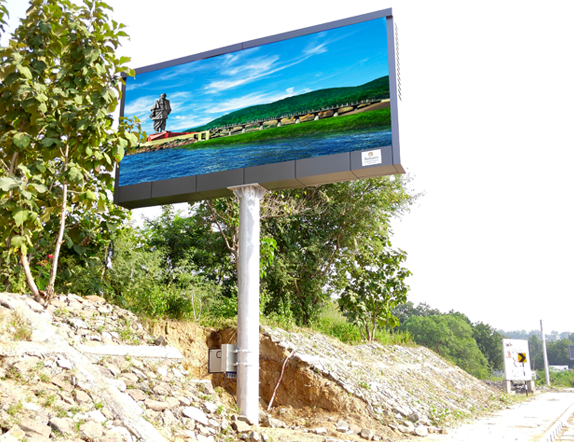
174	163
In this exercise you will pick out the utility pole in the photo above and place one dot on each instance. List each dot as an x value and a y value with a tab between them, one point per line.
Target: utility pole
544	354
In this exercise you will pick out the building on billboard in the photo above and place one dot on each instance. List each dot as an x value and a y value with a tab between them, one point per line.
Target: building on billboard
312	106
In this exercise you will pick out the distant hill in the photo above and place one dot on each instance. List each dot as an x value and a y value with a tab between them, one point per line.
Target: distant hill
376	89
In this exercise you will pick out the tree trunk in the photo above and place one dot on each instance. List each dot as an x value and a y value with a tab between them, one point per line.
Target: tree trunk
60	239
29	278
368	331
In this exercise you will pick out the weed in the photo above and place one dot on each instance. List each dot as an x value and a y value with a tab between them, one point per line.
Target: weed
44	378
14	409
78	424
99	405
60	411
22	330
50	400
13	373
365	385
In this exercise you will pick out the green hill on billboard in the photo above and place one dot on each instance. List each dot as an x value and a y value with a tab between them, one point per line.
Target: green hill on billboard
324	98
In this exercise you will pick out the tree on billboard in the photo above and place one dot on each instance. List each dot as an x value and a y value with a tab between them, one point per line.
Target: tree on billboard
59	80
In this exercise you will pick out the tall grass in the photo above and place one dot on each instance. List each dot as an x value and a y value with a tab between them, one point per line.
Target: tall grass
331	322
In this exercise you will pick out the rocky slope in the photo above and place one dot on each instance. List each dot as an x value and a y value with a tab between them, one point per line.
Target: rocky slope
82	369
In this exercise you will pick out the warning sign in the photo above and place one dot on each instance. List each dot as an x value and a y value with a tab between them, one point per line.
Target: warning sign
516	366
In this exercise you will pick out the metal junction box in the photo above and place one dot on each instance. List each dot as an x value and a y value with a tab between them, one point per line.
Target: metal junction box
223	360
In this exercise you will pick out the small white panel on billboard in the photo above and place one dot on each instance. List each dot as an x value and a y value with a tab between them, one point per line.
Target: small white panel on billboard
516	360
371	157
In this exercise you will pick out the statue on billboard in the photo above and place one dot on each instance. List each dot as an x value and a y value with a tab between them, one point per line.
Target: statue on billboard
159	112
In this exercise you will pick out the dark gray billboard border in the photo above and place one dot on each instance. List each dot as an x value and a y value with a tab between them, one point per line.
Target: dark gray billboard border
290	174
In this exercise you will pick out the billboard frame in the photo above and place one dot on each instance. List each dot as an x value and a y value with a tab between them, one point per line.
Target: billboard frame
275	176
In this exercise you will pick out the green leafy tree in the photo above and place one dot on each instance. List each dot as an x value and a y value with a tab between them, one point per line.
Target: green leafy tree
558	352
307	238
316	243
408	309
186	238
451	337
59	80
489	342
376	285
220	217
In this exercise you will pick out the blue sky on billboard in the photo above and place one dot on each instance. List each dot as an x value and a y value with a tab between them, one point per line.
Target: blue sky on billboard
203	90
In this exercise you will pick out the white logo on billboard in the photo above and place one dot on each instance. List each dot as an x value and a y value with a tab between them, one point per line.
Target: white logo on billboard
371	157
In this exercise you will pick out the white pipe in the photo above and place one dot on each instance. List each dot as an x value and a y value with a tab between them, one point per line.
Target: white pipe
248	300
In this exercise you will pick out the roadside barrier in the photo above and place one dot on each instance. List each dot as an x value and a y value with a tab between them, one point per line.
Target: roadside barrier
555	429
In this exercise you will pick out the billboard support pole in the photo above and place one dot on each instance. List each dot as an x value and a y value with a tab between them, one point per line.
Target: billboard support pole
544	354
248	300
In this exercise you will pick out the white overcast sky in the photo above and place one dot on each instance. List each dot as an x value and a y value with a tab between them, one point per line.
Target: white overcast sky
486	131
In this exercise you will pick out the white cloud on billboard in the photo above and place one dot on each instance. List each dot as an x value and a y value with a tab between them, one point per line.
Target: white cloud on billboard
252	100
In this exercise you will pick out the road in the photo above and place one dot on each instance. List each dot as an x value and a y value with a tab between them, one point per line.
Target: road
525	422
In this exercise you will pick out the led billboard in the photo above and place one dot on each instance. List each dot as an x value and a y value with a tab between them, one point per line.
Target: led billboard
307	107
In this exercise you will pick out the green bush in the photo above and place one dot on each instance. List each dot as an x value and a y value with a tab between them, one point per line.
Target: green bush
557	378
331	322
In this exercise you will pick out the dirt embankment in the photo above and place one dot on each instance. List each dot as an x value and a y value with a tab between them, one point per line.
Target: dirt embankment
90	370
389	389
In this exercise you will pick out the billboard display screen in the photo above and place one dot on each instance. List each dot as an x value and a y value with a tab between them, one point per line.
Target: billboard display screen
307	107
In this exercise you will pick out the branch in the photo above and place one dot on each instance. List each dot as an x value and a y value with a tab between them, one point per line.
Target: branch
214	217
29	278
